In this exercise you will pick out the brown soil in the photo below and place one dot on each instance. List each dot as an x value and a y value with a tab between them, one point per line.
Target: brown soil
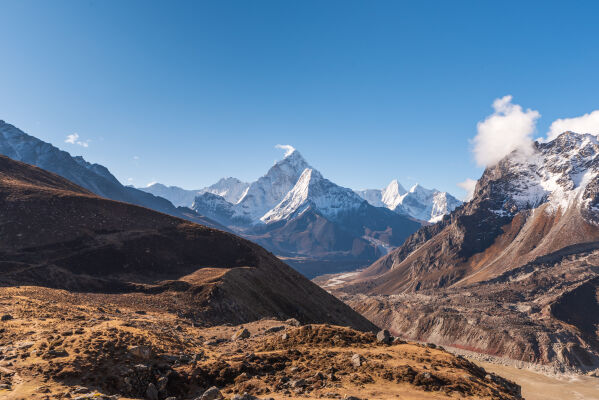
62	345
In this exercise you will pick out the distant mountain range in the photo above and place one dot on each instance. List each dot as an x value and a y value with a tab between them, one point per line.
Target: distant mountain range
298	214
293	211
259	198
420	203
96	178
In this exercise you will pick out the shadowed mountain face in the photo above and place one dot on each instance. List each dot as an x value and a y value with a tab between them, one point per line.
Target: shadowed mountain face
96	178
522	255
59	235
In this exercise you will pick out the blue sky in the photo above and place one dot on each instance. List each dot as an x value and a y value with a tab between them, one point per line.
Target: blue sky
187	92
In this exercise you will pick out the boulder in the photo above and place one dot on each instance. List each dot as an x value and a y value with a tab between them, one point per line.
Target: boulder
357	360
274	329
141	352
293	322
212	394
151	392
384	337
243	333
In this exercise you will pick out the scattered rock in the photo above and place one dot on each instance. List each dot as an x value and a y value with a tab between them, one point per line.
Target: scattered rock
298	383
212	394
398	341
243	333
357	360
293	322
384	337
245	396
162	382
6	317
151	392
274	329
141	352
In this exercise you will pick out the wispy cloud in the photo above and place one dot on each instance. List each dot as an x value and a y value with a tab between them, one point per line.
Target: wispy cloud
74	139
288	148
468	185
507	129
587	123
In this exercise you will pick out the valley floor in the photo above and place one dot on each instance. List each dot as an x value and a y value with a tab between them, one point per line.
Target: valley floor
537	386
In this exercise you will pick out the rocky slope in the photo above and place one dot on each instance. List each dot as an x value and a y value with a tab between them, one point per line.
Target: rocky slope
64	345
20	146
526	206
59	235
522	255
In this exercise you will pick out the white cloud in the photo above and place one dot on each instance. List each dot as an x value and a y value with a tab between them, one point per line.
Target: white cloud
587	123
74	139
507	129
136	158
288	148
468	185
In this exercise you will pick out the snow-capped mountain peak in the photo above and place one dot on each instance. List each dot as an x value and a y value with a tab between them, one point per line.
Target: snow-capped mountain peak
562	173
314	191
231	189
391	195
268	191
419	202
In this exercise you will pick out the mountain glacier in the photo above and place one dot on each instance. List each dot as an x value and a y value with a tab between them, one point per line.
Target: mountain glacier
312	190
418	202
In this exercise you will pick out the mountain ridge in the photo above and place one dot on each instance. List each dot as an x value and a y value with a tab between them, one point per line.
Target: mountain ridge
59	235
522	255
20	146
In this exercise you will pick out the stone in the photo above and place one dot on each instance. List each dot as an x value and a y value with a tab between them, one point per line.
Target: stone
244	396
298	383
284	336
212	394
151	392
243	333
141	352
293	322
274	329
384	337
357	360
162	382
6	317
